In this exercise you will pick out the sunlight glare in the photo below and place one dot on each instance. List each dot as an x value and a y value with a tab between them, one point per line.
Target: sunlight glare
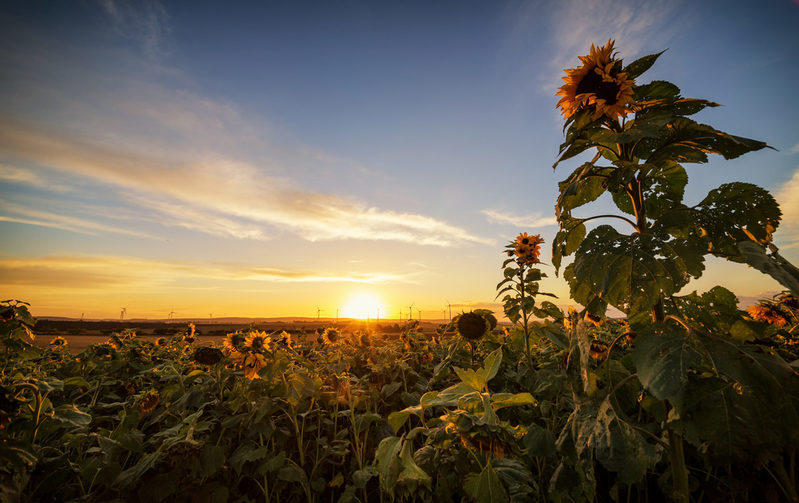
363	306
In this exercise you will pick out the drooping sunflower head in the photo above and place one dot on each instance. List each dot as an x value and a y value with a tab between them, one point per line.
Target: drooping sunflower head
528	248
207	355
251	364
58	342
148	402
472	326
599	84
257	341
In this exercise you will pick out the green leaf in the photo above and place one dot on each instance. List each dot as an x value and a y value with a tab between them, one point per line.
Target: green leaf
475	380
398	418
772	264
662	360
72	415
539	442
411	475
689	141
492	363
736	212
640	65
617	445
485	487
629	272
292	473
245	453
502	400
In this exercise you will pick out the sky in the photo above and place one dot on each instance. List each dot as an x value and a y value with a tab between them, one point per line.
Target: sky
313	158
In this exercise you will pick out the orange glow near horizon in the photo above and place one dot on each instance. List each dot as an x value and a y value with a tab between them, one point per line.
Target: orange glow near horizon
363	306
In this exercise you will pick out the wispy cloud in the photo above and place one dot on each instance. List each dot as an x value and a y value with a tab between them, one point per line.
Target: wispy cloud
223	185
29	216
98	272
788	198
145	21
534	220
795	149
639	27
11	174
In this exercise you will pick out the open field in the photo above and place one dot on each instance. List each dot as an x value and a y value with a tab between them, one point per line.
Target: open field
82	334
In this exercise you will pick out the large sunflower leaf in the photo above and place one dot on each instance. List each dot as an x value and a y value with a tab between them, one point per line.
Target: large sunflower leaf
689	141
733	399
630	272
749	407
485	487
617	445
662	359
736	212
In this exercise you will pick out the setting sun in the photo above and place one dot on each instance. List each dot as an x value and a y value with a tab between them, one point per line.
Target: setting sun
363	306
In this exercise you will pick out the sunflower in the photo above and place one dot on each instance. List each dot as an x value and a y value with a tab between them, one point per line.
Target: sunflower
331	335
149	402
528	248
257	341
767	314
58	341
252	363
593	319
234	341
207	355
189	336
598	349
598	83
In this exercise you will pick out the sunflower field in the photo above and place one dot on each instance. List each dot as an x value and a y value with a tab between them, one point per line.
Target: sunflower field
685	397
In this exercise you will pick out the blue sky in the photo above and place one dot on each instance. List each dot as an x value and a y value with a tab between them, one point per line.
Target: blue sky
263	158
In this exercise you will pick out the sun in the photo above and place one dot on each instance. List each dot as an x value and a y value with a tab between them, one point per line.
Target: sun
363	306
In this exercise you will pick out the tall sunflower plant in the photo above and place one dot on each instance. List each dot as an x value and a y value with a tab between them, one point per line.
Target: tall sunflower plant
520	285
685	347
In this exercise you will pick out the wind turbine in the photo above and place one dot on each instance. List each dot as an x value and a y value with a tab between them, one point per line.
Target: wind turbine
171	315
449	306
410	311
122	313
420	314
318	312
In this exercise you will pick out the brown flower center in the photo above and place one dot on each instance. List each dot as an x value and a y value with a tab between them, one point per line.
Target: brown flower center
593	83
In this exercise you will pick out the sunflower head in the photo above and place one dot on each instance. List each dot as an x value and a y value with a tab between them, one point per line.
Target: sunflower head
283	338
234	341
189	336
257	342
598	85
767	314
251	364
598	350
207	355
331	335
528	248
149	402
58	342
472	326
